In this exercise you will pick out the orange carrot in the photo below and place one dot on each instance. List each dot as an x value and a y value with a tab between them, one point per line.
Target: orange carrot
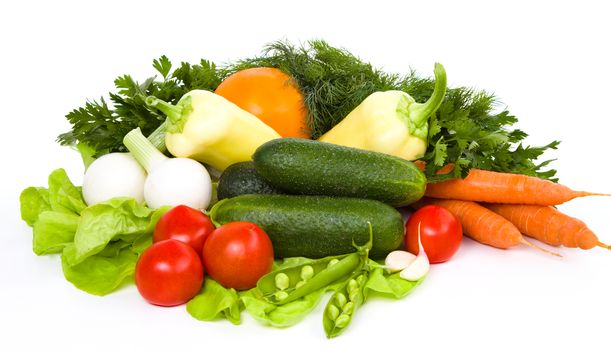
495	187
483	225
548	225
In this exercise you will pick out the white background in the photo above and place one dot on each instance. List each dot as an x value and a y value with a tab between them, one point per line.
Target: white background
547	61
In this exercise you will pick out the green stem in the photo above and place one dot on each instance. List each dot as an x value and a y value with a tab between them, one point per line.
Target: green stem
157	137
173	112
143	150
420	113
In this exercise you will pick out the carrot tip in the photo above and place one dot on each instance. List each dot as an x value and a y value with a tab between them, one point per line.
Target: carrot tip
602	245
585	194
540	248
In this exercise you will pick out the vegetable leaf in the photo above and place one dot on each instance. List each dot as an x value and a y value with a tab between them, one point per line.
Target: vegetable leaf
102	126
33	201
63	195
163	66
100	275
53	231
118	218
215	301
100	244
280	316
388	285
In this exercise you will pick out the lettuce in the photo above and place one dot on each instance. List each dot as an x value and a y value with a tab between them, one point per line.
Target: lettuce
53	231
388	285
100	275
117	219
214	302
33	201
100	244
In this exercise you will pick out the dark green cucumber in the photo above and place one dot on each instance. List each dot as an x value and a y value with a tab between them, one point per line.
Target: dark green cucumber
316	226
242	178
300	166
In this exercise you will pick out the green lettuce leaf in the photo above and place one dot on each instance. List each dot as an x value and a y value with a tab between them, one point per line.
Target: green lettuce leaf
280	316
214	302
100	244
118	218
87	153
146	240
33	201
388	285
100	275
53	231
115	233
63	195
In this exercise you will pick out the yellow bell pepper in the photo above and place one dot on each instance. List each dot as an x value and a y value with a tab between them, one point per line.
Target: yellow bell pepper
390	122
208	128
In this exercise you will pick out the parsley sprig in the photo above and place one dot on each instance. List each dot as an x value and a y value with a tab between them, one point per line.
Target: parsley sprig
102	127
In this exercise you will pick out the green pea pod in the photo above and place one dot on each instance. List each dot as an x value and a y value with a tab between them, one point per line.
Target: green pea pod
297	287
285	285
344	302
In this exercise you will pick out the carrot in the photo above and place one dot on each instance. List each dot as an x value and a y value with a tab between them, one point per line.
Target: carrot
484	225
548	225
495	187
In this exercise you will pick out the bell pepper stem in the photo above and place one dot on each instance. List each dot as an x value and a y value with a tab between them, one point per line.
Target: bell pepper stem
420	113
143	150
174	113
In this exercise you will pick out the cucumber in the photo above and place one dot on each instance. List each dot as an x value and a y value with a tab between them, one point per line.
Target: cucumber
299	166
316	226
242	178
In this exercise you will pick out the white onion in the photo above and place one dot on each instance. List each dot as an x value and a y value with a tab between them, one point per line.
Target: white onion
113	175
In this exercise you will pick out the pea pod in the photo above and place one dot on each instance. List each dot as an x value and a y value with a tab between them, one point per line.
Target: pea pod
344	302
286	285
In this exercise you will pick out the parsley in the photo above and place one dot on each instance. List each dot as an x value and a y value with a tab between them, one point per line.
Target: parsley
102	127
467	130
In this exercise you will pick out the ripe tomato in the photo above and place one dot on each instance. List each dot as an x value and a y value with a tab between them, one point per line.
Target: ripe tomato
440	233
271	95
237	254
169	273
184	224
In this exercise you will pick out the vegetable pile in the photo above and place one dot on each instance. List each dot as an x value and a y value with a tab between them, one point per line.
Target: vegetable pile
265	183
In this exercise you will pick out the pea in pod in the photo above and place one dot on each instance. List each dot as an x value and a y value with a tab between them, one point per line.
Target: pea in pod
285	285
344	302
297	281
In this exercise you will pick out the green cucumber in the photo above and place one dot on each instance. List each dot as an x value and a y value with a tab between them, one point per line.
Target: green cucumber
300	166
316	226
242	178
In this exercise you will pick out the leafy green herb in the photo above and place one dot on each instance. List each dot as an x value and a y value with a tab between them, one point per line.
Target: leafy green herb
102	126
467	131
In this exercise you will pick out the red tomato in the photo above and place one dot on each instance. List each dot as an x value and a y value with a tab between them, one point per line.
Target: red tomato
237	254
169	273
440	233
184	224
